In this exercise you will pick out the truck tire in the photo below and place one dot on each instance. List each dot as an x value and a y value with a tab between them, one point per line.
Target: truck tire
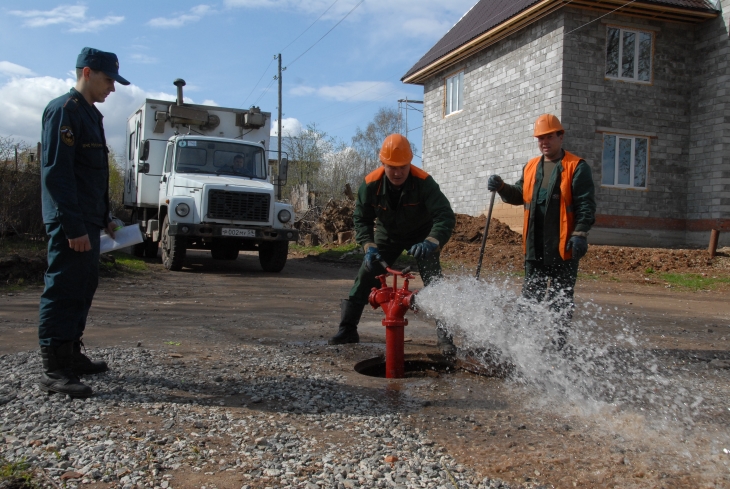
173	248
224	249
272	255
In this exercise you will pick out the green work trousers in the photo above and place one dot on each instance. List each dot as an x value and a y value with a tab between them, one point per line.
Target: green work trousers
554	284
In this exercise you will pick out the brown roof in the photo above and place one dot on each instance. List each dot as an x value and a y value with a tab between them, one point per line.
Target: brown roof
487	14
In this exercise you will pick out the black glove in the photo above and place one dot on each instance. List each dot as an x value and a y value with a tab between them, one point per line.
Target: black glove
372	256
495	183
579	245
423	249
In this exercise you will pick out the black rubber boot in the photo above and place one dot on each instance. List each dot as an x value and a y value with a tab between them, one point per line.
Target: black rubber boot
444	341
57	375
347	333
83	365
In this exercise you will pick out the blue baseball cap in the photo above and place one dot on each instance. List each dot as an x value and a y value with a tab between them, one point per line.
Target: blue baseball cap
100	61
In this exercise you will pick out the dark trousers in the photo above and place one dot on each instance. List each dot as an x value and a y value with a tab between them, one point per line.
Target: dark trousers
71	280
554	284
430	269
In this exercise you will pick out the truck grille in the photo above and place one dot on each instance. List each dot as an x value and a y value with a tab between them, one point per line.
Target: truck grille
238	206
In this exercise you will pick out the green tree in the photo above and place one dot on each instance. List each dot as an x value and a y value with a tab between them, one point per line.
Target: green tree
116	186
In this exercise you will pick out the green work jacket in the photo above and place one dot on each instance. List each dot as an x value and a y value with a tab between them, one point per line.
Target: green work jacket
422	211
543	238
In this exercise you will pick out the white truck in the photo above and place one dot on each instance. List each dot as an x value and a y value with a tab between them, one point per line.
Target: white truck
197	177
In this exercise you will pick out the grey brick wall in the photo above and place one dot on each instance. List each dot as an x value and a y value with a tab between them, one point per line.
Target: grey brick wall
591	101
709	150
506	87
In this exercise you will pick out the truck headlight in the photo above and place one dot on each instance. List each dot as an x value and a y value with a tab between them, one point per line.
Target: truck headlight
182	209
284	215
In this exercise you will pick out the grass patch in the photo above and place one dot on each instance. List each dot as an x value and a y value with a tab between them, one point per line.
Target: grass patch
693	281
130	262
12	246
16	475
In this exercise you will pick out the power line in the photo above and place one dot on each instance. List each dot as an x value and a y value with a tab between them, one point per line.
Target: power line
264	91
310	26
325	35
257	83
602	16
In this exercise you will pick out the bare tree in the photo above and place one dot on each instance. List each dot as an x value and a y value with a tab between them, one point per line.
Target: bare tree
20	199
367	142
306	154
340	167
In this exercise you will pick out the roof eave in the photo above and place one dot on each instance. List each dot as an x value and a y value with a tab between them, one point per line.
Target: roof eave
546	7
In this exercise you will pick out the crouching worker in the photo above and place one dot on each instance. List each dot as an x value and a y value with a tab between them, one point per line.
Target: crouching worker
409	212
557	192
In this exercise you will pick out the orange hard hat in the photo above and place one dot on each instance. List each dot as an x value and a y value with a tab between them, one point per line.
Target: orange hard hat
547	123
396	150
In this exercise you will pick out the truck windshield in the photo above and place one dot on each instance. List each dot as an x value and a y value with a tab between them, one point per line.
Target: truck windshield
220	158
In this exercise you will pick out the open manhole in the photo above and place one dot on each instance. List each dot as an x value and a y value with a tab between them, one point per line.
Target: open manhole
419	365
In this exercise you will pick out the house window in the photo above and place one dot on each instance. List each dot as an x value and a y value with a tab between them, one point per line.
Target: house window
625	161
628	54
454	93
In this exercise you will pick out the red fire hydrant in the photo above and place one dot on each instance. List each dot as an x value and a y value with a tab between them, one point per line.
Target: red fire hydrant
395	303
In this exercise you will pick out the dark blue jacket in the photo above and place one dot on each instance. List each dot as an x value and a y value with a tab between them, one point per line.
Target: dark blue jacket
75	165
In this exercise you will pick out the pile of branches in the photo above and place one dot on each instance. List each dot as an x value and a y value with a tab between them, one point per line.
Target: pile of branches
331	223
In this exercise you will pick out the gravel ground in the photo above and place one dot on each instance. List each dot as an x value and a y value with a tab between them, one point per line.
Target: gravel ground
264	414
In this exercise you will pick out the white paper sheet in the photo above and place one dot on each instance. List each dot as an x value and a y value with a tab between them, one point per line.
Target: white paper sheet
127	236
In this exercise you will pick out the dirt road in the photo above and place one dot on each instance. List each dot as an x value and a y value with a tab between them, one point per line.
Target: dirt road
498	428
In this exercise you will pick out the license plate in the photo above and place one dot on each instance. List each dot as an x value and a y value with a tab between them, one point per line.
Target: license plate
245	233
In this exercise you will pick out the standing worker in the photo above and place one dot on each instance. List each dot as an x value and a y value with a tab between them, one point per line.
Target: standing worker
412	214
557	192
75	195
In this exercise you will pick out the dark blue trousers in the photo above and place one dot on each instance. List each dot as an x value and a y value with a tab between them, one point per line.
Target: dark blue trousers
71	280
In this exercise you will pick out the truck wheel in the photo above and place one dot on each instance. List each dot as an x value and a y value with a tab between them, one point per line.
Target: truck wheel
173	248
224	249
272	255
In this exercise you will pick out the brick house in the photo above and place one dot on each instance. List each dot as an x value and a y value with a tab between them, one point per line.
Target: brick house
642	92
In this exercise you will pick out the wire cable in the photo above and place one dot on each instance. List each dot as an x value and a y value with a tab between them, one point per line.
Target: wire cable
602	16
310	26
257	83
325	34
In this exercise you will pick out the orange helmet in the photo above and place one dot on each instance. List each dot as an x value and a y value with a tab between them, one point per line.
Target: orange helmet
396	151
547	123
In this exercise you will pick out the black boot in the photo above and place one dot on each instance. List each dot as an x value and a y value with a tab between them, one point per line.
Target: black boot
83	365
347	333
444	340
57	375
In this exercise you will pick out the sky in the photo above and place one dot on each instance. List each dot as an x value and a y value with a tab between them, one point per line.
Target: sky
344	59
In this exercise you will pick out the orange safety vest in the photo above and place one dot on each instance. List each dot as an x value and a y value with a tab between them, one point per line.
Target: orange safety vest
567	217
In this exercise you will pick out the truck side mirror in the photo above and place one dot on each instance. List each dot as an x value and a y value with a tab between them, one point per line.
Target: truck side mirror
143	168
144	151
283	169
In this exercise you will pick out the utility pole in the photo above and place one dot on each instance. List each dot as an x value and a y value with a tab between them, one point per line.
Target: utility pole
278	140
406	101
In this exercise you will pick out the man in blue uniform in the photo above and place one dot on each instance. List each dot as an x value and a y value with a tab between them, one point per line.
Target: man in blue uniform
75	194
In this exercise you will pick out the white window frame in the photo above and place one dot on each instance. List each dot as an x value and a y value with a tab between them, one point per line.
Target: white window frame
632	169
637	33
454	94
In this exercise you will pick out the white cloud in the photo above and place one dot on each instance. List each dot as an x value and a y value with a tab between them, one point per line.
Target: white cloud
11	69
290	127
22	101
144	59
195	14
71	15
353	91
208	102
414	18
